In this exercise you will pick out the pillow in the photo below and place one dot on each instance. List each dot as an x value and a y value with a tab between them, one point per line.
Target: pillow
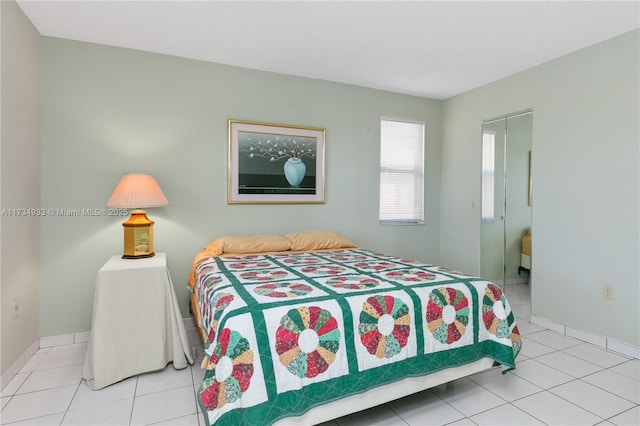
252	244
239	245
214	248
317	240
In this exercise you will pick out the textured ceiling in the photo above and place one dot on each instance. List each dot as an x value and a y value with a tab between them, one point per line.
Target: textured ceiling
434	49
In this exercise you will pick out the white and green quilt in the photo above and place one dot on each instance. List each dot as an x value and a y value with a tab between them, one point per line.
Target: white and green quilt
288	331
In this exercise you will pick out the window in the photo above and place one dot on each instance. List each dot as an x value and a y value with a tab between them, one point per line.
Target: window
488	176
401	172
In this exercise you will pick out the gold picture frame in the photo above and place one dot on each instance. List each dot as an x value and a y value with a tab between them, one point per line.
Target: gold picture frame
275	163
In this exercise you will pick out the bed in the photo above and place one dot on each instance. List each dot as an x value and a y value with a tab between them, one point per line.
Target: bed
306	327
525	256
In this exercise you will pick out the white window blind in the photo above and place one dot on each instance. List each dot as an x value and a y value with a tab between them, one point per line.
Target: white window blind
401	172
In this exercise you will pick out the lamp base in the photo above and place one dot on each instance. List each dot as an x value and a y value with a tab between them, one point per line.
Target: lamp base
138	236
137	256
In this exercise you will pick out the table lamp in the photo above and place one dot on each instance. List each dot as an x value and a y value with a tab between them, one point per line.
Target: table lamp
137	191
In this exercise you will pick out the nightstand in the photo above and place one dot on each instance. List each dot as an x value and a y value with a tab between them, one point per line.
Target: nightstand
137	326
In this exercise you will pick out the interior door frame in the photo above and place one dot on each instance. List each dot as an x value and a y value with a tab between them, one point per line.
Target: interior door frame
505	117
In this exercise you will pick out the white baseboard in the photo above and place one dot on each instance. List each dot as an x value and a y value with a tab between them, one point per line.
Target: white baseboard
83	337
65	339
15	368
605	342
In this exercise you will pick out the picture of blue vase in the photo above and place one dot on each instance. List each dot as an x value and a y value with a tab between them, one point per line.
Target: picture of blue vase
294	171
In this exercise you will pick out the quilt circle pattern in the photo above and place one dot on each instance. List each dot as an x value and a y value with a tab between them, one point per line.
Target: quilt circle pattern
379	265
302	260
212	280
221	302
323	269
385	324
228	258
291	289
249	265
204	267
516	341
307	341
447	314
451	271
411	275
352	282
232	366
264	275
348	257
494	314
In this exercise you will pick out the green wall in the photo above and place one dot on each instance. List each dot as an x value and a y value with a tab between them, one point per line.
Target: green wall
107	111
586	182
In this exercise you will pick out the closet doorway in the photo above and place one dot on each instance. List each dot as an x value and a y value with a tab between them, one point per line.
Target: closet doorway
506	198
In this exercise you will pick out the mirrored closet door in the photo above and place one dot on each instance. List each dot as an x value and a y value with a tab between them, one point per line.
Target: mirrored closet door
506	198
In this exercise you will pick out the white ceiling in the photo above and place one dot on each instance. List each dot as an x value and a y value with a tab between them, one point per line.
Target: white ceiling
434	49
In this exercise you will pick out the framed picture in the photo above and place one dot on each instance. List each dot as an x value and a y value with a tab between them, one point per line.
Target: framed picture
275	163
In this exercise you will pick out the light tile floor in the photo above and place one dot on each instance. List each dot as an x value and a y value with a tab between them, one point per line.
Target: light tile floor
558	381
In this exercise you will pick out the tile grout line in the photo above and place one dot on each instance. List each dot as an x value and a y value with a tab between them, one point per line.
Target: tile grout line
70	402
133	403
587	409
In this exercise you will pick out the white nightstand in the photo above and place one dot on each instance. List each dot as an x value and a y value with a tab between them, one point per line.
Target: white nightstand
137	326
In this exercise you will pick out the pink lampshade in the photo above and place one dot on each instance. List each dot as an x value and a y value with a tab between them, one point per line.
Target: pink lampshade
137	191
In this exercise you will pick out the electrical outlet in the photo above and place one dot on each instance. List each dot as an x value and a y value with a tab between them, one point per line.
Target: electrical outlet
16	308
607	291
